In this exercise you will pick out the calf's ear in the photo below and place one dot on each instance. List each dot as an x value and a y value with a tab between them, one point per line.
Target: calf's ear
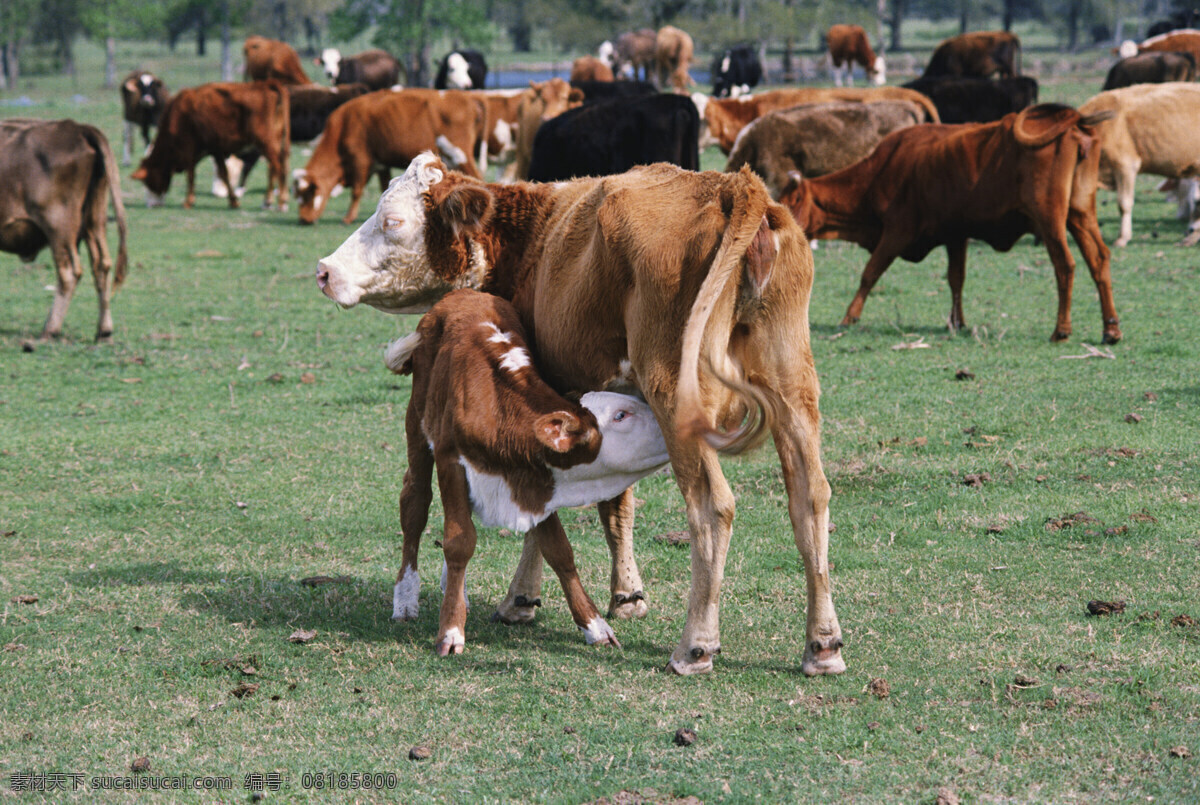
560	430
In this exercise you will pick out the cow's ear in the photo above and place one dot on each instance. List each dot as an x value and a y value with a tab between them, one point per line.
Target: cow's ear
560	431
465	207
575	96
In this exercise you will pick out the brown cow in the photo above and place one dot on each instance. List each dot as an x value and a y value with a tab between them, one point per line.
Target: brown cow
673	51
634	49
1185	40
589	68
503	120
848	46
388	128
378	69
143	98
928	186
507	446
57	178
816	139
220	120
272	60
981	54
722	119
691	287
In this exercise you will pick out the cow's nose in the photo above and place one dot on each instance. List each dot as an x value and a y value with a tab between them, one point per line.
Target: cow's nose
322	275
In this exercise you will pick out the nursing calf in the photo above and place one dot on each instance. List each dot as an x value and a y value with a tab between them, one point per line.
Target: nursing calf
508	447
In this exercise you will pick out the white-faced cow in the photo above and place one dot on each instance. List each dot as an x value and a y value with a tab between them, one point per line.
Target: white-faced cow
508	447
847	46
929	186
378	69
462	69
690	287
736	71
143	98
57	178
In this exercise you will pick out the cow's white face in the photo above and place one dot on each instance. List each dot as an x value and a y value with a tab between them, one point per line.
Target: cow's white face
457	71
1128	48
331	61
706	135
384	264
880	72
605	53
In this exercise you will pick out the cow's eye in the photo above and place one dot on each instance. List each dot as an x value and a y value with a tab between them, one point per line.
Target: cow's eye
620	415
393	222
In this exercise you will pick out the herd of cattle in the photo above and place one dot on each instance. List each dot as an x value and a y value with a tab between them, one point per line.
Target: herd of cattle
689	289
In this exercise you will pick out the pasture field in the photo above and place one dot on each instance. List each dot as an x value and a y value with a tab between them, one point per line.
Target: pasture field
163	497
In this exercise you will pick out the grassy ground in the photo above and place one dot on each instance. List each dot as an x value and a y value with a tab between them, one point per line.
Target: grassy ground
163	497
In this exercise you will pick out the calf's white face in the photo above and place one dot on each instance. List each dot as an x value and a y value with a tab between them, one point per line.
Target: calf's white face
331	61
383	264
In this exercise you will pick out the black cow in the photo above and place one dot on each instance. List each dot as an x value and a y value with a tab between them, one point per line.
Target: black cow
143	98
462	69
977	100
1178	20
1151	67
739	66
607	137
604	90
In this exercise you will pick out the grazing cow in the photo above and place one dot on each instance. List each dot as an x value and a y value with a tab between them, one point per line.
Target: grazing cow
635	49
606	137
57	178
929	186
977	100
1185	41
673	50
271	60
1151	68
462	69
220	120
508	447
981	54
143	98
813	140
692	287
1153	128
591	91
722	119
388	128
589	68
539	103
378	69
736	71
848	45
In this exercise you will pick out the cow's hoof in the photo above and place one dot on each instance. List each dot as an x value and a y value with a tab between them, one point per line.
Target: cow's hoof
599	633
848	320
519	610
1121	243
28	346
1111	336
104	338
823	659
451	643
1060	335
697	660
626	606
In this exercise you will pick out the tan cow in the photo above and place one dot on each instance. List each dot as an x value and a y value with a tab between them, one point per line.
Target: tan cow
929	186
272	60
722	119
388	128
1155	129
590	68
690	287
673	51
847	46
1184	40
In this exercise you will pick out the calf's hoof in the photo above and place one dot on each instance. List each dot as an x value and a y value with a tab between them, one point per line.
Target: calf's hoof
697	660
823	657
625	606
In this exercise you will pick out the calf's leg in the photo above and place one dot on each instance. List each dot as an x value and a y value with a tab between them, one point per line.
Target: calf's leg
554	546
415	498
458	544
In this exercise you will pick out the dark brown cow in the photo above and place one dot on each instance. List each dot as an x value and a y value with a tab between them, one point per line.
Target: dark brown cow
1151	68
272	60
981	54
388	128
928	186
143	98
691	287
508	447
848	46
378	69
57	178
634	50
220	120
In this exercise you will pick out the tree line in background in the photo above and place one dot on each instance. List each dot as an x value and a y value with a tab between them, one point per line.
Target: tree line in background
411	29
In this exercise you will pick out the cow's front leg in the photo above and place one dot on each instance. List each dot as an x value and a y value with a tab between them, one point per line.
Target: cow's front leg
625	582
880	259
525	591
955	274
1125	180
189	200
127	144
458	544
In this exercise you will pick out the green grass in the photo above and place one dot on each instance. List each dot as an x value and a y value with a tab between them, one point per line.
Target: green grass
167	493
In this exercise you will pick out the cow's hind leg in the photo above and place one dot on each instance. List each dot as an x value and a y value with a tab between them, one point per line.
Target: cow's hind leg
66	263
525	590
127	144
554	546
102	263
1086	232
955	273
415	498
627	597
458	544
223	178
880	259
1055	237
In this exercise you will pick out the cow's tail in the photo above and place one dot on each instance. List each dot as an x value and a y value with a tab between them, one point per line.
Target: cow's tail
706	336
113	175
1051	121
398	356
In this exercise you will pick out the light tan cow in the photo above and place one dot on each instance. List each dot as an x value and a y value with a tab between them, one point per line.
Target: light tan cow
673	51
1155	129
692	288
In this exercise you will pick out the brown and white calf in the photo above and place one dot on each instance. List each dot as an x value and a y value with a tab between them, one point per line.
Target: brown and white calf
692	288
143	98
507	447
847	46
